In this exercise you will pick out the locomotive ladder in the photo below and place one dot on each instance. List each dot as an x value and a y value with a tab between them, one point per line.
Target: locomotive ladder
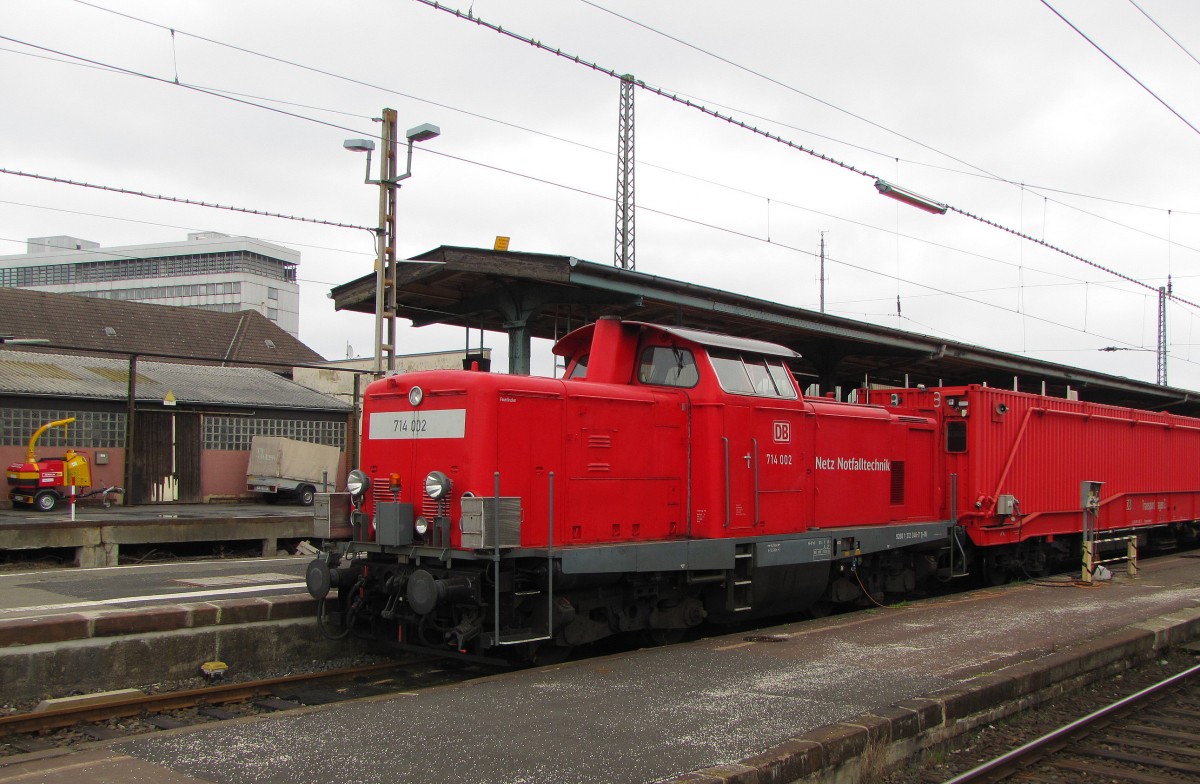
739	584
523	635
958	565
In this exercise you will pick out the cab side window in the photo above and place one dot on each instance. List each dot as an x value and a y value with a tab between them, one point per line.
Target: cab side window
668	366
732	374
580	368
752	375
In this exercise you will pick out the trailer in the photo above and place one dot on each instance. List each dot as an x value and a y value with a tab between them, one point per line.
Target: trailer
283	468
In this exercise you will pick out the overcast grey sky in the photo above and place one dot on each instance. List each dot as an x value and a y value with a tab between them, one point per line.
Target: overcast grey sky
957	100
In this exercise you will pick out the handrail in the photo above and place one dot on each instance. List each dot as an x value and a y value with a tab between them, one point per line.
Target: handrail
754	450
728	490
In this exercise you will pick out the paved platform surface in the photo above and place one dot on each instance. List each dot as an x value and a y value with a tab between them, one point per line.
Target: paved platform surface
92	513
97	535
652	714
56	591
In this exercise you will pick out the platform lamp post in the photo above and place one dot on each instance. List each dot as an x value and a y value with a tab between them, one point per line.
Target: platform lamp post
385	261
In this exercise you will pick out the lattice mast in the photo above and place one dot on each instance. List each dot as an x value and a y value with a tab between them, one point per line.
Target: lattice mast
1163	294
624	256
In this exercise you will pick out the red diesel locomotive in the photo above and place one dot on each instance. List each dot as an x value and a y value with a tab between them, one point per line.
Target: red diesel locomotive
674	476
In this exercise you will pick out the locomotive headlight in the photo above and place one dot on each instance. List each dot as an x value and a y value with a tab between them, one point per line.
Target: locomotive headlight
357	483
437	485
415	396
421	526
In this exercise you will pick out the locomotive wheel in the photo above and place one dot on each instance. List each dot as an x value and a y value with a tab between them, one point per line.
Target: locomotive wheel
45	501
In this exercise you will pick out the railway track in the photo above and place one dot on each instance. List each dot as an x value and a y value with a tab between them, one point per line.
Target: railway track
66	726
1150	737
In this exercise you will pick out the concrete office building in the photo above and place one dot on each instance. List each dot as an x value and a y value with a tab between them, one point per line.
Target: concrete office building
211	271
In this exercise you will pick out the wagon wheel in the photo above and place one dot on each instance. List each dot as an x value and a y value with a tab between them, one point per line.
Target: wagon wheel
45	501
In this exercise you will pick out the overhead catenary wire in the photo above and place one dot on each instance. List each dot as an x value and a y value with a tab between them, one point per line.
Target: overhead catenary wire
219	91
1163	30
978	173
578	190
696	222
786	86
716	114
219	94
1124	70
774	137
289	241
755	238
182	200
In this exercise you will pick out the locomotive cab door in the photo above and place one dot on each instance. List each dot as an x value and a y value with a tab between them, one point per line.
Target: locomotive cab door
740	461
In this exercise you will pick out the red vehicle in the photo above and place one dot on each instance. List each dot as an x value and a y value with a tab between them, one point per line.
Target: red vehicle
675	476
1019	460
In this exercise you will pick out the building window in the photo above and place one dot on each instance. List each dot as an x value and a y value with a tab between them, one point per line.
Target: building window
90	430
235	433
272	293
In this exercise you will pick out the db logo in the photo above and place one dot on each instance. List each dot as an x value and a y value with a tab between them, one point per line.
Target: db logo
782	432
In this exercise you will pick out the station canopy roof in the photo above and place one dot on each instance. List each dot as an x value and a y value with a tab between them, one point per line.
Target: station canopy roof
546	296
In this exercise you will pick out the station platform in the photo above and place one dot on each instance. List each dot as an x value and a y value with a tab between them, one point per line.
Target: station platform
97	532
66	631
776	704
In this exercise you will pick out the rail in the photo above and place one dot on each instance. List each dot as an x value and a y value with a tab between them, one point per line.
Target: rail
1006	764
42	721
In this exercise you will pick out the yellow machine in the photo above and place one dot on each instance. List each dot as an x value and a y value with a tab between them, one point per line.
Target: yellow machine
43	483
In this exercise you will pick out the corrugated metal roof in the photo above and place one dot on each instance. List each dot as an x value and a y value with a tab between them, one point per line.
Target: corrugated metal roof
98	378
84	325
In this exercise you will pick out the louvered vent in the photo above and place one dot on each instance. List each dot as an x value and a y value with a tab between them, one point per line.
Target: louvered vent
897	481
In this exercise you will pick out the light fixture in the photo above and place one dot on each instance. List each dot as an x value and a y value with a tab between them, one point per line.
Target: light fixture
423	133
388	182
357	483
910	198
437	485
